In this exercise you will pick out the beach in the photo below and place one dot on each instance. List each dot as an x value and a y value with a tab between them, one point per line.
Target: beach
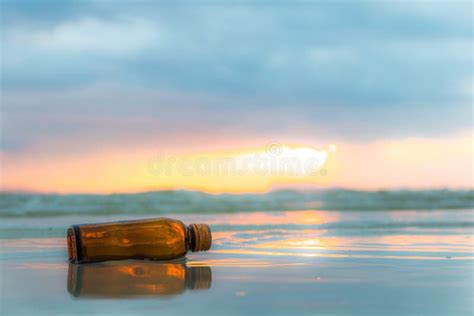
307	262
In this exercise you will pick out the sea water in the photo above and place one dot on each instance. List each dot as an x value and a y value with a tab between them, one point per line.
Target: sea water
314	255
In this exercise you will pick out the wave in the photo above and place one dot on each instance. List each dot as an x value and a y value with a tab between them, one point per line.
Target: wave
181	201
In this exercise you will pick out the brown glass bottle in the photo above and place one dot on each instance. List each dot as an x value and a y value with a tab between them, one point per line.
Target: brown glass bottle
154	239
129	279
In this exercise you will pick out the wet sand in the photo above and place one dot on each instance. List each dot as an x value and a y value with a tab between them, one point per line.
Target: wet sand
278	263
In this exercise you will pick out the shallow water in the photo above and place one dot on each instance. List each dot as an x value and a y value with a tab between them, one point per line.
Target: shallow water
279	263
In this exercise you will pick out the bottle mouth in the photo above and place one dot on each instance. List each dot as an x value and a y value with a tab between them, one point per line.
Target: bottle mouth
199	237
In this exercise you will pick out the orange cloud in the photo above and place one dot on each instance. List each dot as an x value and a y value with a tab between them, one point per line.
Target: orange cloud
410	163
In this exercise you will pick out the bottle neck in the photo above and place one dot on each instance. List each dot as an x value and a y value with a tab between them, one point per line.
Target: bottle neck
199	237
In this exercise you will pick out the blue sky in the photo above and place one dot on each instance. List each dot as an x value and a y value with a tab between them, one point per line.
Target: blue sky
95	73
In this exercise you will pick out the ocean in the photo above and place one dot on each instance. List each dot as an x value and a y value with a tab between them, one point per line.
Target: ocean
181	201
326	252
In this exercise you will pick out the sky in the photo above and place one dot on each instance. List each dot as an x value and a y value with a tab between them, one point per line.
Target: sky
94	92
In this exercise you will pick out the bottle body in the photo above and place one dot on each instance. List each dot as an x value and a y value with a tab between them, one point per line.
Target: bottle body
154	239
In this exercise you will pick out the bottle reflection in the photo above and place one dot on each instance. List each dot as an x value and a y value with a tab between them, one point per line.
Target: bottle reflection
128	279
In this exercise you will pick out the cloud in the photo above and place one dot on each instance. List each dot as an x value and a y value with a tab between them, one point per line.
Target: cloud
340	53
107	37
94	72
100	80
80	120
